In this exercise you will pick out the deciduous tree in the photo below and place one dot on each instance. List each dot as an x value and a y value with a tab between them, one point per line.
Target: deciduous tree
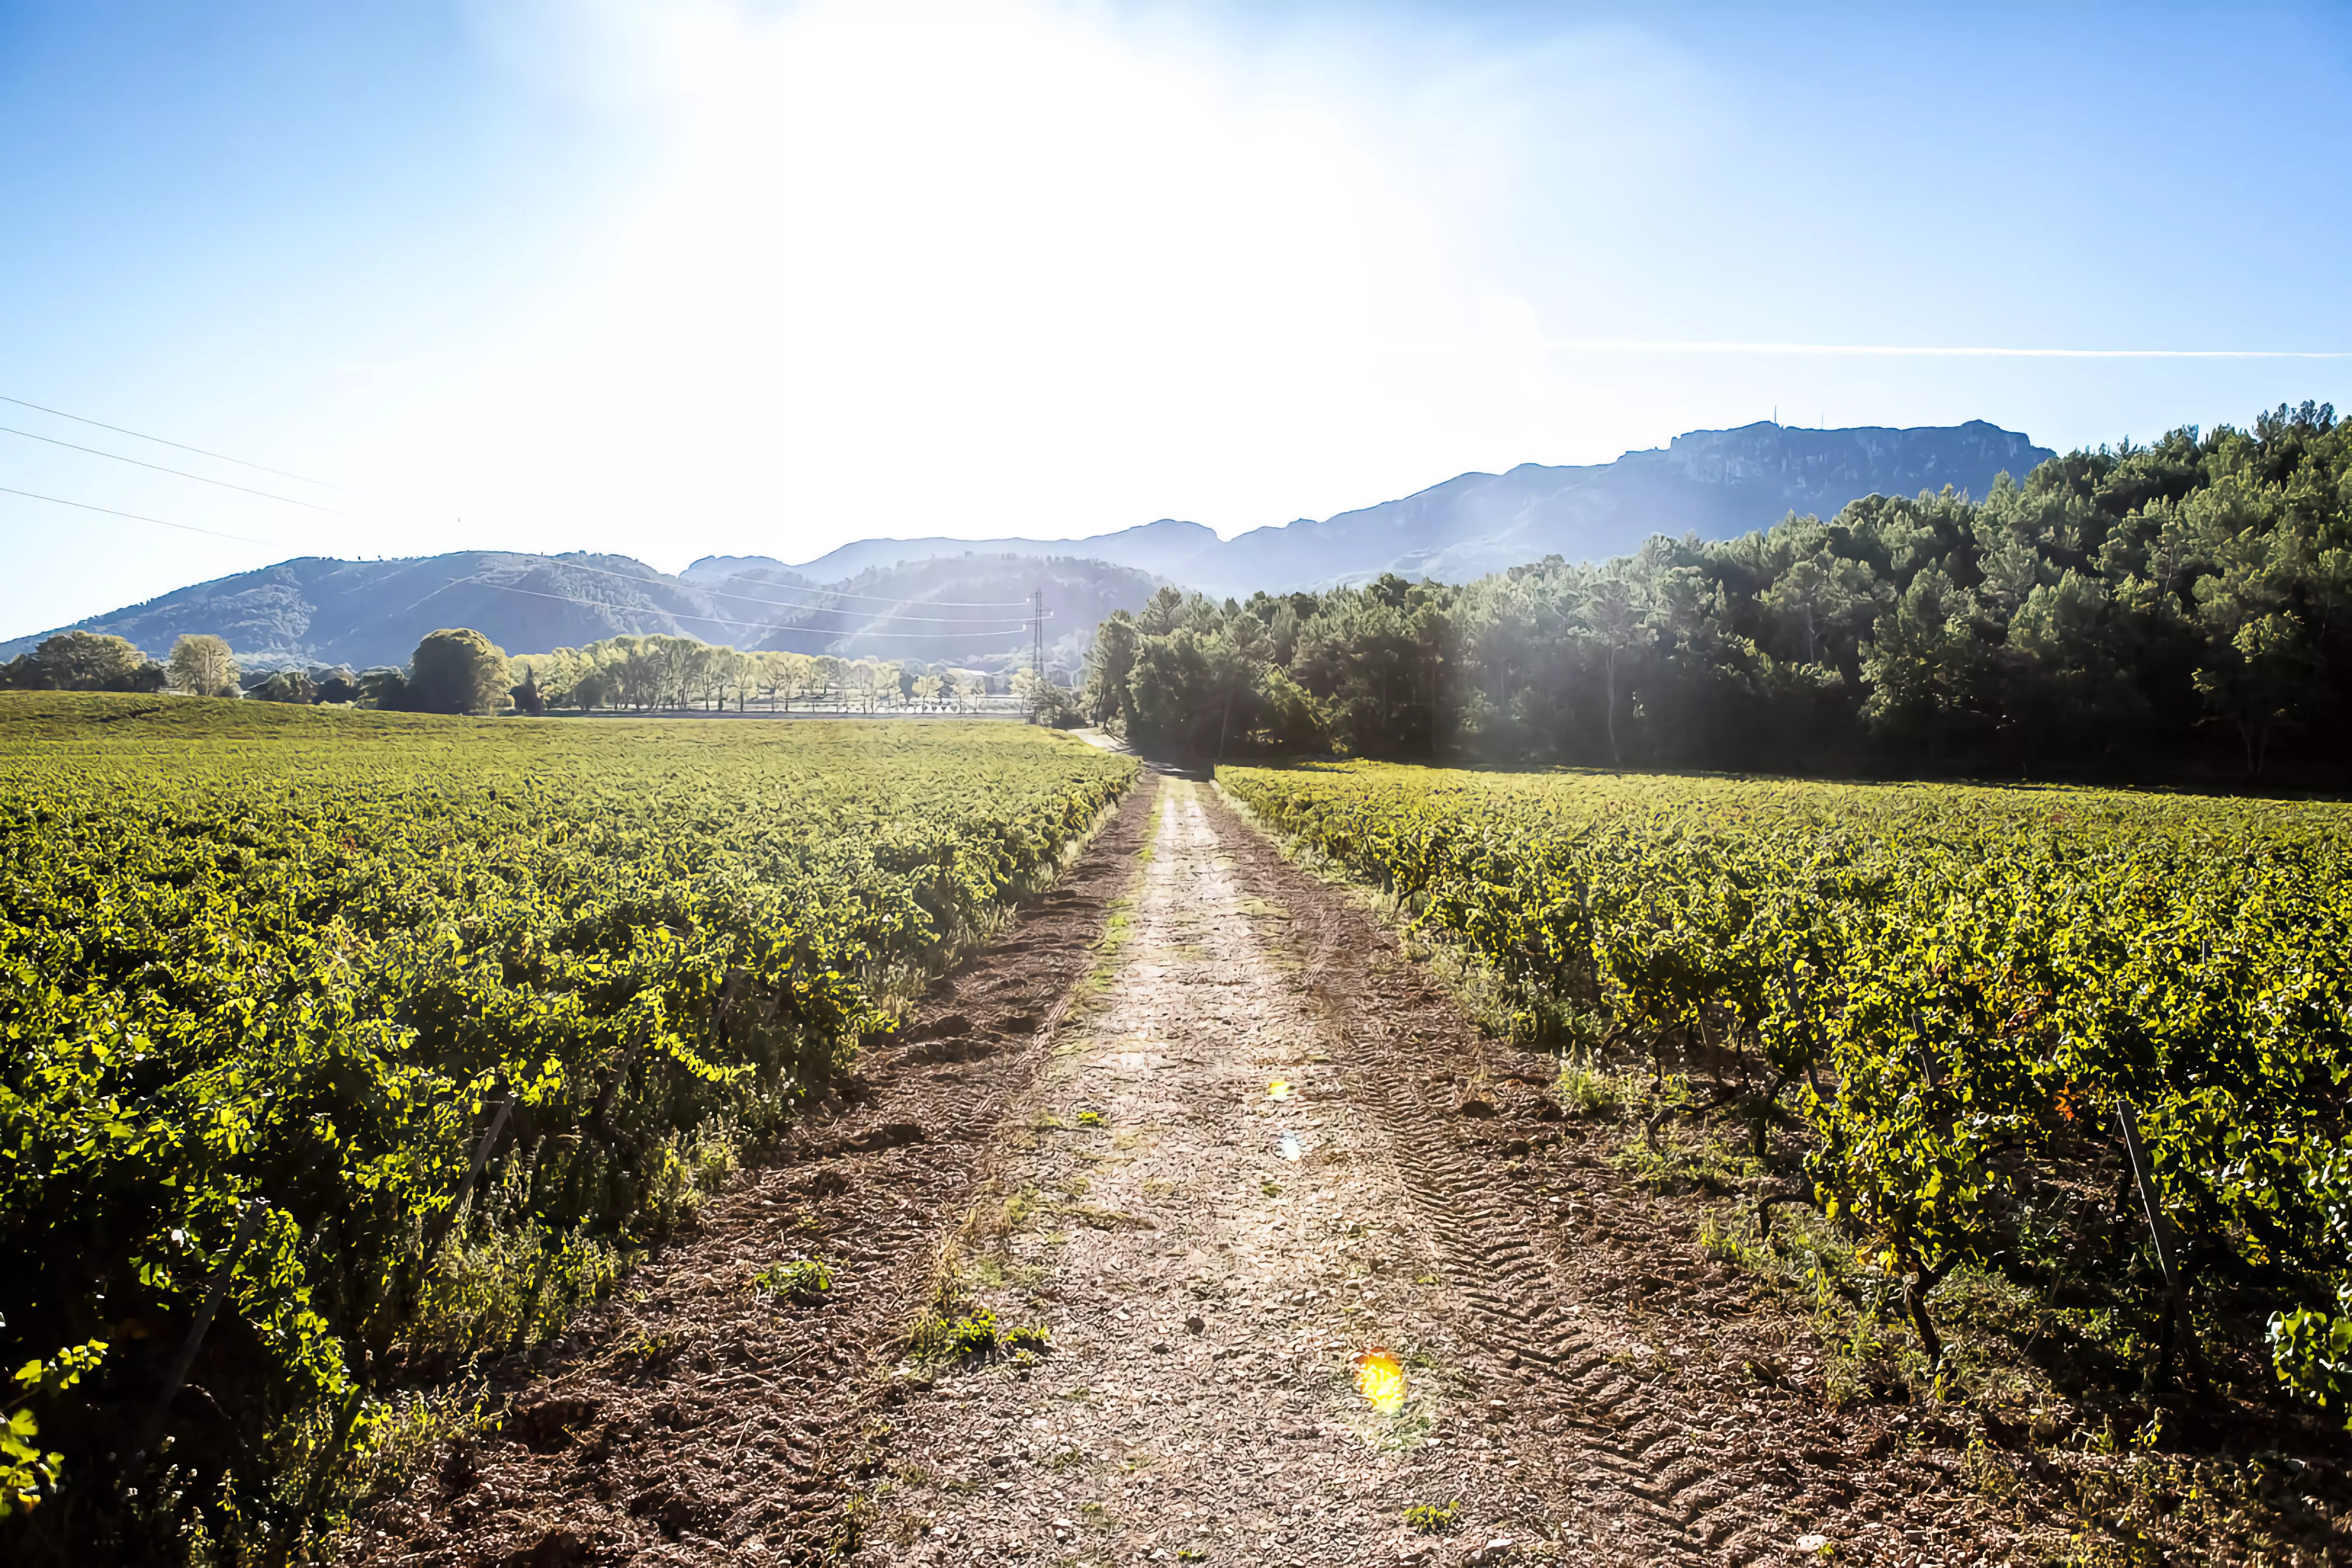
202	666
456	671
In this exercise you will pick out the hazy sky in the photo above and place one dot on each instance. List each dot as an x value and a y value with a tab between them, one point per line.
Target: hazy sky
680	279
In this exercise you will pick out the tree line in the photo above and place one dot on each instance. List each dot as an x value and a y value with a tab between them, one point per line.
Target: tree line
460	671
2136	611
658	670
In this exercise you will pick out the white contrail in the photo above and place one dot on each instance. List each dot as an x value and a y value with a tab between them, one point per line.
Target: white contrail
1663	346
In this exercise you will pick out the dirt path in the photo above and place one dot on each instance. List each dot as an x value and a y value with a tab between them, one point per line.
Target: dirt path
1211	1259
1084	1134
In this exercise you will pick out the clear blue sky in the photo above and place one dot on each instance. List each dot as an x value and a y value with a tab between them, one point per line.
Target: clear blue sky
763	277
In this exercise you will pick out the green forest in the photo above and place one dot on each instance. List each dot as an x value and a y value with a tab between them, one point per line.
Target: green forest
2179	609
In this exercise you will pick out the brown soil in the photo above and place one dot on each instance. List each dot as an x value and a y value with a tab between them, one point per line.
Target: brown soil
1208	1254
695	1419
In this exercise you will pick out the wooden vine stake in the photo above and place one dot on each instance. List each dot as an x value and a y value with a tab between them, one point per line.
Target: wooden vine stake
356	1399
248	1222
448	1217
2159	1226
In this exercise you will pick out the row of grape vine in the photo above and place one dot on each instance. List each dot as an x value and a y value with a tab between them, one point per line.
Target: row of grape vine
1966	997
342	1057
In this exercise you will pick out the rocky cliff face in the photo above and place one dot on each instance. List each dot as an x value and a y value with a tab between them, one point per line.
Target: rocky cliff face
1830	462
1714	483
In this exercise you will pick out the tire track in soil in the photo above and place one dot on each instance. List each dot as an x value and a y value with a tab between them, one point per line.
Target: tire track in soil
1680	1433
690	1421
1582	1389
1206	1287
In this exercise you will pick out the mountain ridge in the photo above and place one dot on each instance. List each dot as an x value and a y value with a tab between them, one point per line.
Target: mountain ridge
1714	483
316	610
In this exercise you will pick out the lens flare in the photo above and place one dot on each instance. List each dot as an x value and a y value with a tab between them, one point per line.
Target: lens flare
1380	1381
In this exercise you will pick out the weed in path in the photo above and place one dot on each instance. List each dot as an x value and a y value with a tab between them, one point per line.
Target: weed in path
998	1272
1018	1207
1433	1518
1092	993
805	1280
1104	1219
654	1348
969	1336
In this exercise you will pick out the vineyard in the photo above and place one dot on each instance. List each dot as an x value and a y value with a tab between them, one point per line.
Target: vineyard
347	1052
2089	1046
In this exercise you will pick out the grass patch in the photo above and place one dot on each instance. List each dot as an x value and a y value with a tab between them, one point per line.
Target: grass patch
398	1437
1118	928
1989	1322
1584	1088
1678	1159
1104	1219
510	1290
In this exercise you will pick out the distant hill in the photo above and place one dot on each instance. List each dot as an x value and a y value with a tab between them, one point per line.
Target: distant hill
905	597
1714	483
317	611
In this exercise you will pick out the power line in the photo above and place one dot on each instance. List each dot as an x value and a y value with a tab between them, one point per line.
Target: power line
814	609
135	517
183	473
337	511
183	446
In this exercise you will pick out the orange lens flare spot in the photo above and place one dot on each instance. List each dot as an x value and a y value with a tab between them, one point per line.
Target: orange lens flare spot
1380	1381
